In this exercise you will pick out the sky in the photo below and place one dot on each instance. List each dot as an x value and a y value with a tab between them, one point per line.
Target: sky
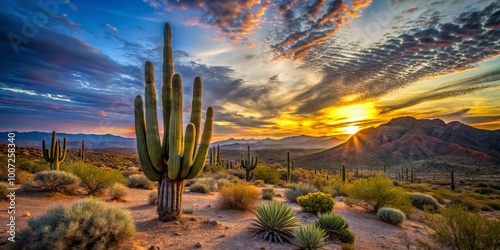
270	69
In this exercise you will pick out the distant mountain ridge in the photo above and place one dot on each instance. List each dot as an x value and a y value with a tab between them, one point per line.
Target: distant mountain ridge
34	139
407	139
291	142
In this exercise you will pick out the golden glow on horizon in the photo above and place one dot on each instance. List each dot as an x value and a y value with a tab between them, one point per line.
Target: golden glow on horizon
351	130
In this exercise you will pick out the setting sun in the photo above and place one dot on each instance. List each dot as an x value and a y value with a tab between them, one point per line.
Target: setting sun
351	130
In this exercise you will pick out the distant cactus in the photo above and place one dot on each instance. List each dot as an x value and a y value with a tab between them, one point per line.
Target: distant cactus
81	152
452	184
249	164
289	167
343	173
55	155
216	156
385	168
178	158
411	174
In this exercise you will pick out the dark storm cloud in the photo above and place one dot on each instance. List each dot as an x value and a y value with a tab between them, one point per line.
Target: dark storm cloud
57	76
233	19
428	51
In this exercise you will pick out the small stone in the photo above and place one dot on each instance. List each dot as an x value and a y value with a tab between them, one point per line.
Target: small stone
208	205
220	216
197	245
27	214
178	234
153	247
279	195
193	219
222	236
214	222
262	248
177	222
226	228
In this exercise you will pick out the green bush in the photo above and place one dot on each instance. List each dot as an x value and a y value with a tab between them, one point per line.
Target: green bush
29	166
420	201
378	191
240	196
240	173
494	204
457	228
140	181
267	174
391	215
268	193
317	202
275	222
259	183
298	190
57	181
345	236
331	223
153	197
466	202
225	182
118	191
90	224
23	176
95	179
309	237
334	186
203	185
3	190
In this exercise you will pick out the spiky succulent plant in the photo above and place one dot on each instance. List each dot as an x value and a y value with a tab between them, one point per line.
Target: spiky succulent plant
275	222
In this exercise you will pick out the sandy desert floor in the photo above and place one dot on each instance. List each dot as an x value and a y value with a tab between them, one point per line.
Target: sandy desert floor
220	229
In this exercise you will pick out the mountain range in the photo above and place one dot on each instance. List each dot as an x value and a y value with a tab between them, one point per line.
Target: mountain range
34	139
291	142
406	139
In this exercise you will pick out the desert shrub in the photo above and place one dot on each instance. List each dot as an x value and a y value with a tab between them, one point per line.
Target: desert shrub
494	204
345	236
240	173
140	181
465	202
275	222
128	172
391	215
23	176
419	201
29	166
90	224
280	184
457	228
317	202
3	190
225	182
203	185
240	196
298	190
347	246
267	174
118	191
378	191
335	187
57	181
259	183
268	193
153	197
95	179
331	223
309	237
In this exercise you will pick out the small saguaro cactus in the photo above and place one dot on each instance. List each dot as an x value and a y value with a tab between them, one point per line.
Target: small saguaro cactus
180	157
343	173
452	184
81	152
289	167
55	155
249	164
385	168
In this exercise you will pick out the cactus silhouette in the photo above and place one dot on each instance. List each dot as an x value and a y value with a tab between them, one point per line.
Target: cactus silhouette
249	164
55	155
178	157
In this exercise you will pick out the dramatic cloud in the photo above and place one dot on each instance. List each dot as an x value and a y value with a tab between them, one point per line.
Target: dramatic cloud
233	19
419	53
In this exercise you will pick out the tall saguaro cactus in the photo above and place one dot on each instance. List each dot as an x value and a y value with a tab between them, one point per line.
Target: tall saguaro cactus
81	152
55	155
249	164
178	157
289	167
343	173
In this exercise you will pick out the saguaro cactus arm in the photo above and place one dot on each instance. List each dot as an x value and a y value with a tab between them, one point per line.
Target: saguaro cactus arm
56	154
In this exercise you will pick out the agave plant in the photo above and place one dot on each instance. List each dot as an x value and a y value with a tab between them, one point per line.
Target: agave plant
331	223
275	222
309	237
